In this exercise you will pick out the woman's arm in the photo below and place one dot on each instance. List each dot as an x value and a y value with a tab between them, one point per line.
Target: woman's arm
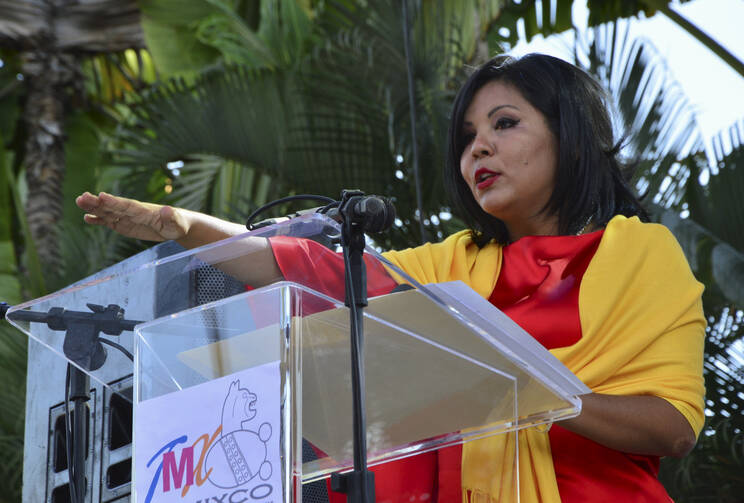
635	424
155	222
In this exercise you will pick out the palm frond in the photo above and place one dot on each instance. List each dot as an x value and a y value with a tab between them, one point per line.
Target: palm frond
236	113
12	396
358	106
87	250
655	116
229	33
718	205
553	16
665	142
222	187
340	121
714	261
109	76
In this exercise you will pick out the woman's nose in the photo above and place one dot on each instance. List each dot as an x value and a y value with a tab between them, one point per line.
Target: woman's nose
481	147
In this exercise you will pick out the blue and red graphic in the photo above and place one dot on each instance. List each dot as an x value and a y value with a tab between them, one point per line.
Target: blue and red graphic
231	457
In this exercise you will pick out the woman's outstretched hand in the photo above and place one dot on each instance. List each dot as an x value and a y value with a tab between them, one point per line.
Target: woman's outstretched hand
132	218
255	265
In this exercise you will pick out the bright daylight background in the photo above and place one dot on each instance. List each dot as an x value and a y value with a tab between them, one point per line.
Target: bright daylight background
715	89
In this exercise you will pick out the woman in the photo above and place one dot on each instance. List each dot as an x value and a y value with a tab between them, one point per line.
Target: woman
533	167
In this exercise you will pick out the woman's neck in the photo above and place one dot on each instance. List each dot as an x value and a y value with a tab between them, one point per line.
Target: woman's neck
539	225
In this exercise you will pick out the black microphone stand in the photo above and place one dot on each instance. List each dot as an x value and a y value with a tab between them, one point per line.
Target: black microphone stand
359	484
82	346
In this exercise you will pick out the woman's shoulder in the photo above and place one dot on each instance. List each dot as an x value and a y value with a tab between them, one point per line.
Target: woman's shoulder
457	257
459	240
632	233
642	246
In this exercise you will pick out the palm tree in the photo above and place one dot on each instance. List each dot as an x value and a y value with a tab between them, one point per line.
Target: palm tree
49	54
714	471
51	37
319	111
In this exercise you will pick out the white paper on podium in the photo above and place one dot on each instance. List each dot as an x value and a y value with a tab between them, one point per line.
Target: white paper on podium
218	440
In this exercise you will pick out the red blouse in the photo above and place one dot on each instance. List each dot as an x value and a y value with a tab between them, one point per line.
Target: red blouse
544	273
538	288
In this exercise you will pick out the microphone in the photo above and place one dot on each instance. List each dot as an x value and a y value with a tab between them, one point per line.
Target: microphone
373	213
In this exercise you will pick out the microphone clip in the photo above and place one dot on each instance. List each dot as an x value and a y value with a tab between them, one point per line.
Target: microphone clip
368	213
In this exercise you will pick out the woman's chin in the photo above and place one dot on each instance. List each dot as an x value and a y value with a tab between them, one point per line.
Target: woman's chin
493	206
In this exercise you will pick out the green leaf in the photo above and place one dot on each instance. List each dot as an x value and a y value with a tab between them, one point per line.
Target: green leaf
11	93
719	205
338	120
728	272
713	261
176	50
229	33
12	395
182	13
658	119
10	287
35	285
235	114
603	11
83	160
554	17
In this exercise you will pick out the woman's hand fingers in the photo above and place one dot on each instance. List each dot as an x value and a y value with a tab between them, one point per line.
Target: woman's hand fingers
86	201
132	218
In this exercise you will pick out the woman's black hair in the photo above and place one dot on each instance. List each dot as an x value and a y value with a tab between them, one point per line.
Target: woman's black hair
589	180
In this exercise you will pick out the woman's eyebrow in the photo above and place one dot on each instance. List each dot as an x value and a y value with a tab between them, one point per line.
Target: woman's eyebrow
493	111
496	109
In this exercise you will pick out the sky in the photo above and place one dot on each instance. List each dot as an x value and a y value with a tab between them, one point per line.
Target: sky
713	88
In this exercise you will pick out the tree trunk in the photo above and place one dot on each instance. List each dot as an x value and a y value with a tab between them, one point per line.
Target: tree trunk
51	78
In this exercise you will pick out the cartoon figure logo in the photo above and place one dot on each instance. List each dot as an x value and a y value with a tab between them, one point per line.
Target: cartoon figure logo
240	453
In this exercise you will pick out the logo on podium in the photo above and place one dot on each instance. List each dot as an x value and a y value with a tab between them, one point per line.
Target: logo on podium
232	459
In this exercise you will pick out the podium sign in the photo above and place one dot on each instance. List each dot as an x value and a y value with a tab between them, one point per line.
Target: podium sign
225	444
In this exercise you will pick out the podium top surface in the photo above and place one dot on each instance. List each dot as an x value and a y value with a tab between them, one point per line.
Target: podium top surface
158	284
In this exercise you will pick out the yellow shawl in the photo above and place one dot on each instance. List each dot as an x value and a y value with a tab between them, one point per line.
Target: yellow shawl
642	334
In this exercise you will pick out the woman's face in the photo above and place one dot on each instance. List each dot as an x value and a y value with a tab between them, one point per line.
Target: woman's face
510	159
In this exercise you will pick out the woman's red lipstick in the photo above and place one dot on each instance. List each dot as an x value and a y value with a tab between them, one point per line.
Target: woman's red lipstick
491	177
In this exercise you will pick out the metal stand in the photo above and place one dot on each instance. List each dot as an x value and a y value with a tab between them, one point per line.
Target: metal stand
79	385
359	484
83	346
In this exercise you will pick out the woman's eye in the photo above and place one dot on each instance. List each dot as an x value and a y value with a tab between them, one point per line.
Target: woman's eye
505	123
467	138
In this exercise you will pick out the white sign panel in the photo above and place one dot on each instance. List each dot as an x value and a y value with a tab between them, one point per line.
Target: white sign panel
217	442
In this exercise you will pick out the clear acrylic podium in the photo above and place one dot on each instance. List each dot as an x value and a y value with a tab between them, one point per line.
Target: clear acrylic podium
233	384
